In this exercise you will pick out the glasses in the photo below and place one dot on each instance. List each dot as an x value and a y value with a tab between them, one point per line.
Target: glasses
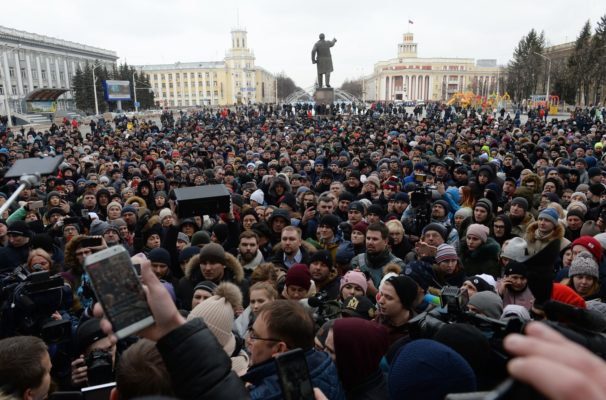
499	226
253	336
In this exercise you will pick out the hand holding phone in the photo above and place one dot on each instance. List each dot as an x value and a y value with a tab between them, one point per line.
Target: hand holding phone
294	376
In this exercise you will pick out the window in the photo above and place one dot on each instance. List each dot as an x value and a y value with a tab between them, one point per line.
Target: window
216	92
163	94
34	74
44	74
23	73
2	89
14	89
163	84
199	74
170	85
207	75
11	72
170	76
192	75
25	89
208	93
62	76
156	76
215	83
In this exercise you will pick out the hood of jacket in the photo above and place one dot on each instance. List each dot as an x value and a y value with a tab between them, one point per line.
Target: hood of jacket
233	269
557	233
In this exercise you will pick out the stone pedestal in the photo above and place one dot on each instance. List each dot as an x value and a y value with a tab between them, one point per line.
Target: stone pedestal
324	96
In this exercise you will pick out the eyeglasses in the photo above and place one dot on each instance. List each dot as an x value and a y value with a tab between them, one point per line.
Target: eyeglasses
499	226
253	336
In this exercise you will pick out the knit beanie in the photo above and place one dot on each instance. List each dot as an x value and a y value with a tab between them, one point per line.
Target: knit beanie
443	204
446	252
488	303
217	312
97	227
591	244
480	284
183	237
212	252
165	212
550	214
578	206
322	256
298	275
200	237
516	311
516	249
478	230
425	369
207	286
464	212
161	193
567	295
577	212
520	201
114	204
187	253
129	209
376	209
584	264
258	196
330	220
357	206
361	226
485	203
406	288
159	255
590	228
435	227
516	268
355	278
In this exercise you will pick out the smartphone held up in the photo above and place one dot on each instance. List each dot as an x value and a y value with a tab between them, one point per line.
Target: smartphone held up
118	290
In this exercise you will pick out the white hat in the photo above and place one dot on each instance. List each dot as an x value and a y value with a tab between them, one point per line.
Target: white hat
516	249
258	196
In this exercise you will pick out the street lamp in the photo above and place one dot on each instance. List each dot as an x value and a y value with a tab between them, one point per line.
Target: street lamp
548	74
95	90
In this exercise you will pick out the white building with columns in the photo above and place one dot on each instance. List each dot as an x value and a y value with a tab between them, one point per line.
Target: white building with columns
30	62
409	77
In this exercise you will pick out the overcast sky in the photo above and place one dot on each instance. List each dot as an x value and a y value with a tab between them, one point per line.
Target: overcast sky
282	33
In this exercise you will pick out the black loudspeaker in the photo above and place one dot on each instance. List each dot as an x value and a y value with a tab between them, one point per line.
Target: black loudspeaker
202	200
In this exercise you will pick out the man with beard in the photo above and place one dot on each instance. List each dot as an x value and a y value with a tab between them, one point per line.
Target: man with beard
249	254
439	215
324	274
291	249
519	216
377	255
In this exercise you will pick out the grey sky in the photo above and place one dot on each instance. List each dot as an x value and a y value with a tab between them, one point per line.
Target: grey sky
282	33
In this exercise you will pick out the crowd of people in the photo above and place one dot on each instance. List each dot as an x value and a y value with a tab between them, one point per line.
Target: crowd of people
344	235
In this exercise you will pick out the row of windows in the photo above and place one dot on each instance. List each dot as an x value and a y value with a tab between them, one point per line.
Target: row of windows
201	94
170	85
11	72
178	75
14	89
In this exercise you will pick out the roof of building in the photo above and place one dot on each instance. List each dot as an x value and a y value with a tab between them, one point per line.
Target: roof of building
180	65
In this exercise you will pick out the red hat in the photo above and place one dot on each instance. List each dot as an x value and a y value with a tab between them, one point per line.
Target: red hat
298	275
591	244
567	295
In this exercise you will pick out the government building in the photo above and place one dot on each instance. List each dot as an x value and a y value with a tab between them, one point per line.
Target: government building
37	70
235	80
409	77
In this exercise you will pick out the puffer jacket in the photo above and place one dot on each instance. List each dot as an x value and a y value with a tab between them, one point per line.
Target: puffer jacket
536	244
322	371
198	366
483	260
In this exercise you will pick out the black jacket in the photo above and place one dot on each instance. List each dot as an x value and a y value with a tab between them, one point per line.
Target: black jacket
198	366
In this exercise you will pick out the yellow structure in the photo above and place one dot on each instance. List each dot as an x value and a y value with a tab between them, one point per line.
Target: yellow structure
235	80
409	77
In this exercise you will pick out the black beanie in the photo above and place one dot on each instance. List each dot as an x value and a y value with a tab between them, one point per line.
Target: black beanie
377	210
322	256
330	220
516	268
212	252
406	288
520	201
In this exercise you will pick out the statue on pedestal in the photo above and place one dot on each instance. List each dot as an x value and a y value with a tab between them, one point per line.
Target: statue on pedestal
320	55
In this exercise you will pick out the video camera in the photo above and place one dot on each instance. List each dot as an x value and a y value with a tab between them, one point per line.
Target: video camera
326	309
28	301
420	201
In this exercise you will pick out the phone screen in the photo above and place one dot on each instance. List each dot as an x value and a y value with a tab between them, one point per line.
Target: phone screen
91	242
100	392
294	376
118	290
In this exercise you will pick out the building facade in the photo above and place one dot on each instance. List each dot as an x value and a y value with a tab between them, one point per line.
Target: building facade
236	79
30	62
409	77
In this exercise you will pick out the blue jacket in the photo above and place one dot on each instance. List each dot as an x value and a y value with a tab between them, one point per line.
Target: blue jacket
323	373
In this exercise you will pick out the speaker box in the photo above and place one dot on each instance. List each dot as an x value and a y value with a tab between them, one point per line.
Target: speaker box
202	200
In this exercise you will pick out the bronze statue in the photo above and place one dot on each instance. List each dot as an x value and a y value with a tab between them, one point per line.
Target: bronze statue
320	55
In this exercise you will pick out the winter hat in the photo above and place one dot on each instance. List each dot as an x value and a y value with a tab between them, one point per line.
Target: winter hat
567	295
577	212
516	249
590	228
485	203
435	227
601	237
129	209
159	255
520	201
97	227
577	205
488	303
358	306
374	180
446	252
550	214
298	275
88	333
161	193
516	268
406	289
183	237
165	212
357	206
425	369
591	244
376	210
478	230
221	232
361	226
187	253
200	237
217	312
515	311
480	284
207	286
258	196
584	264
464	212
444	205
322	256
581	194
330	220
19	228
355	278
114	204
212	252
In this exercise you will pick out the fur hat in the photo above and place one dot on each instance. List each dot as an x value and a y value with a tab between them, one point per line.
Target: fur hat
584	264
217	312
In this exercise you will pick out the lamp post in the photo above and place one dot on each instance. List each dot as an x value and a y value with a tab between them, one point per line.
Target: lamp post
548	74
95	90
135	92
